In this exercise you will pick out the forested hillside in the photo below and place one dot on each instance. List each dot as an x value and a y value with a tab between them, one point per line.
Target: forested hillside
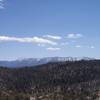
71	80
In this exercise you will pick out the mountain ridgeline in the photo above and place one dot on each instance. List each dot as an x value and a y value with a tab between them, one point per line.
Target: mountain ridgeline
67	80
38	61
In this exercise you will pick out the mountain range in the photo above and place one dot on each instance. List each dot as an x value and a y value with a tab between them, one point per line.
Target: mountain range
69	80
39	61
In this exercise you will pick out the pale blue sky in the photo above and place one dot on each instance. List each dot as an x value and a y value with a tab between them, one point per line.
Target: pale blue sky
42	28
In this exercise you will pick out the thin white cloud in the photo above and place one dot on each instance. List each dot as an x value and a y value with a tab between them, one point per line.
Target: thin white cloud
74	36
41	45
53	37
78	46
64	43
36	40
92	47
53	49
1	4
85	46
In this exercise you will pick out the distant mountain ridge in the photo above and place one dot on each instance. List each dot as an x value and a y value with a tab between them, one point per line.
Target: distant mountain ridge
39	61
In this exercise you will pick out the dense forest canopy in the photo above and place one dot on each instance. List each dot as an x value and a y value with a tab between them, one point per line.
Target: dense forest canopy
70	80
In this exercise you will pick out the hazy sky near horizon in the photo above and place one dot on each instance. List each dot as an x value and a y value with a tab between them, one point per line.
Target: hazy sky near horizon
45	28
